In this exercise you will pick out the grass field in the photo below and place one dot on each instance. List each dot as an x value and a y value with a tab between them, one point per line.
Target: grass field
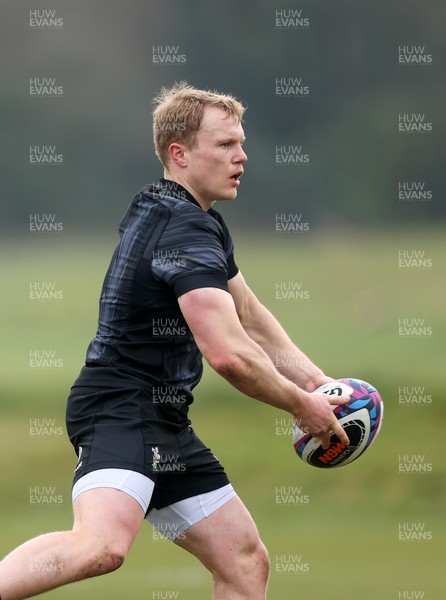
318	522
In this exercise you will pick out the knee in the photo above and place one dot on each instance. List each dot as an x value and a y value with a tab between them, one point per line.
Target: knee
106	561
246	565
102	558
258	560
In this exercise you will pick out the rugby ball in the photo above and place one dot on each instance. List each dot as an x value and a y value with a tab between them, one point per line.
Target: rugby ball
361	418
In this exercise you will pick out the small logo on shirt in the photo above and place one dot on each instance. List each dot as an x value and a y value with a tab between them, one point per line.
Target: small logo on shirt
79	461
156	457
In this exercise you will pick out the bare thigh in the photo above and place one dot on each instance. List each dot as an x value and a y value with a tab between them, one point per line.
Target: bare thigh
222	540
106	522
111	516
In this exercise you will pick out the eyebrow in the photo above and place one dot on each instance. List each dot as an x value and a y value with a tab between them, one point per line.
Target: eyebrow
225	140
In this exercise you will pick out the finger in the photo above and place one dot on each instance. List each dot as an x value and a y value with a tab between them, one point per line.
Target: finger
335	400
325	439
340	433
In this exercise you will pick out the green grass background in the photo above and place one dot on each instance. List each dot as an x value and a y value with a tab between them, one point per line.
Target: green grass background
348	531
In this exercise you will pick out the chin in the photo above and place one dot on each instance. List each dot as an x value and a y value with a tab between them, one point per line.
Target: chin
228	198
225	193
231	195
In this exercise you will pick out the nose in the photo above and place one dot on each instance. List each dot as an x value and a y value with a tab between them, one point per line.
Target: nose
241	156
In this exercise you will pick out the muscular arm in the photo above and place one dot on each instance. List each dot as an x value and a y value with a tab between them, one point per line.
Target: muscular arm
213	320
262	327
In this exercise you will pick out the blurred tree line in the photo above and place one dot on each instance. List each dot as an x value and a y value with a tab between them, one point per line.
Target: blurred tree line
341	58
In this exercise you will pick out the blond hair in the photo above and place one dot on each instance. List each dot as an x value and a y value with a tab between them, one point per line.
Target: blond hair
179	112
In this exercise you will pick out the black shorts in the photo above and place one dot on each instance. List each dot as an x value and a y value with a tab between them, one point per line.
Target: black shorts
124	429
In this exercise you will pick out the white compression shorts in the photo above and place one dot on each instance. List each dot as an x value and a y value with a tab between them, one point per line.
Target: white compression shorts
171	521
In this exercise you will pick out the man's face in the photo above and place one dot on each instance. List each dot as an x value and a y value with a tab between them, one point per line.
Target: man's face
215	164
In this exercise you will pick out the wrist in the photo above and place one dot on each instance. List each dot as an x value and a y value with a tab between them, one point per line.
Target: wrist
315	380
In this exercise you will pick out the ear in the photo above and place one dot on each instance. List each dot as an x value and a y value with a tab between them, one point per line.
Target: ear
177	153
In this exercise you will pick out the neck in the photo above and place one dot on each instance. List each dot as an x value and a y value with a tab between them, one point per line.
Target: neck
175	176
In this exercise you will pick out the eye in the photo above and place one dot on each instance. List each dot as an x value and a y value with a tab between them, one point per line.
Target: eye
225	145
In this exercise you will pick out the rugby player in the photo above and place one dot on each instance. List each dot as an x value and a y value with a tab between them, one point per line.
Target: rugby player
172	294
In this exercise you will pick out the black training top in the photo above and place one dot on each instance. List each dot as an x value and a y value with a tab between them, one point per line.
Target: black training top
168	246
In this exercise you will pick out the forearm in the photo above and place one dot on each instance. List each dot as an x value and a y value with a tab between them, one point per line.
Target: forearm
289	360
249	369
238	358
